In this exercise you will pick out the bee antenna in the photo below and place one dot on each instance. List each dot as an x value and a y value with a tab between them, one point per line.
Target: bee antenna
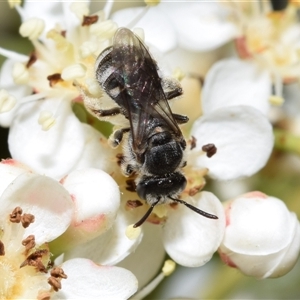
197	210
146	215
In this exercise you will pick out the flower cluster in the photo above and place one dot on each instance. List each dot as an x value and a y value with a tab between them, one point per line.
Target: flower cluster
78	215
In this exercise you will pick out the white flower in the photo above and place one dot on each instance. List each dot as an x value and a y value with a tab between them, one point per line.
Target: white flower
64	52
34	211
262	238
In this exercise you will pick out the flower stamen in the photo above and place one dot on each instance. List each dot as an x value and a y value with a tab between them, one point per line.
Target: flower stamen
32	28
46	120
15	216
210	149
35	260
89	20
54	79
2	249
32	59
27	219
7	102
55	279
29	242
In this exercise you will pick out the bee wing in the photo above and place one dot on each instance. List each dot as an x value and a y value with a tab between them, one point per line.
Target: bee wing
144	97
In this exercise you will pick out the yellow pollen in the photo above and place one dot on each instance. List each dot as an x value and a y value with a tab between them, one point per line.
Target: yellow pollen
133	233
169	267
276	100
160	210
178	74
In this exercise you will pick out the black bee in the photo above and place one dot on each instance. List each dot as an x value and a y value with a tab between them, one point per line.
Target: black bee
154	149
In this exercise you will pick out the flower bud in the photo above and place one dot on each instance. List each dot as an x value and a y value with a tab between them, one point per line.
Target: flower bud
262	238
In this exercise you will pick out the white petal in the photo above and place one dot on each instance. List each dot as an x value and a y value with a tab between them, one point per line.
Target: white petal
150	255
191	239
236	82
42	197
54	152
158	30
10	169
18	91
201	26
96	197
243	138
87	280
112	246
97	153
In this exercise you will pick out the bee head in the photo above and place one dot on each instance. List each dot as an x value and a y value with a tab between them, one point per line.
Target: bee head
151	188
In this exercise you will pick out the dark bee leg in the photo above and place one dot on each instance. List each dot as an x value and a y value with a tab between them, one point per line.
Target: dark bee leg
107	112
116	137
173	94
180	119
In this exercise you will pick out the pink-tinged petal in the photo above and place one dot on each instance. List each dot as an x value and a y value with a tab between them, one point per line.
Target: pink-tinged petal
97	153
157	27
262	238
191	239
54	152
201	26
243	137
150	255
96	198
17	91
110	247
42	197
10	169
236	82
87	280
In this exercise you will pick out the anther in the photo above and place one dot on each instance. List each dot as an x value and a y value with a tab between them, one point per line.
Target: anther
27	219
193	142
32	59
32	28
7	102
133	203
29	242
20	73
2	249
15	216
89	20
44	295
131	186
58	272
54	79
55	279
35	260
210	149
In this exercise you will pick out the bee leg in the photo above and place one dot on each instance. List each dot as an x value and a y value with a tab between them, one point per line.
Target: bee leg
117	136
180	119
173	94
172	88
107	112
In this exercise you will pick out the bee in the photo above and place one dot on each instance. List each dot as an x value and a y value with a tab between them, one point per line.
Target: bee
153	143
